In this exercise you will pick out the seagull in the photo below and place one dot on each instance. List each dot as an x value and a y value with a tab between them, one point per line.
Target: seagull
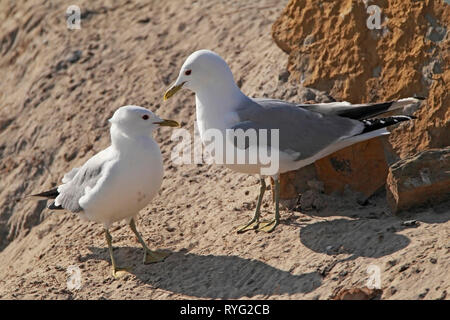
119	181
307	132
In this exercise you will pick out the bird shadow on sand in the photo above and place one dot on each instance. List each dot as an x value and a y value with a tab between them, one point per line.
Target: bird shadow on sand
211	276
372	234
359	238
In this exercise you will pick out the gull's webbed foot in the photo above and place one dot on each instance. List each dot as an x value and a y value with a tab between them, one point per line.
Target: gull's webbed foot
154	256
252	225
268	226
118	272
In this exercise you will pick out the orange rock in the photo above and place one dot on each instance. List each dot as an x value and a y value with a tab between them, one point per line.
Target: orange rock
287	187
331	49
362	167
420	179
293	183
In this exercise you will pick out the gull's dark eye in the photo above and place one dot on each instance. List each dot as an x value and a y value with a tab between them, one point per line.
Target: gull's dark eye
188	72
145	117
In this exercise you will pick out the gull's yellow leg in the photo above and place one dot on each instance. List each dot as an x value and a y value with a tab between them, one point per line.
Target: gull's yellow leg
271	225
116	271
253	224
149	255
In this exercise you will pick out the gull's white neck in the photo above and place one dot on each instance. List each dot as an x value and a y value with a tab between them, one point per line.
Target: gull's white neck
129	144
215	105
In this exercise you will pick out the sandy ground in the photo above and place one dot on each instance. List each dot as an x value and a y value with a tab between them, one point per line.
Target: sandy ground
54	109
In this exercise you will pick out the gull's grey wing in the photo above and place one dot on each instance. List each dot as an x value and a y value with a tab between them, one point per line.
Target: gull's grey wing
348	110
301	132
85	177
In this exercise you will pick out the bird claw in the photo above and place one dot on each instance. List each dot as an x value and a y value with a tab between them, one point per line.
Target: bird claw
252	225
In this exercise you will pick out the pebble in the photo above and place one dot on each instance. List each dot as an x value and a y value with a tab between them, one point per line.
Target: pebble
410	223
423	294
404	267
343	273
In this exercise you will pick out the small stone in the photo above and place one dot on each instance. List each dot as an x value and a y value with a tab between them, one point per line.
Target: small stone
75	56
404	267
144	20
61	65
284	76
170	229
343	273
410	223
392	263
70	155
433	260
423	294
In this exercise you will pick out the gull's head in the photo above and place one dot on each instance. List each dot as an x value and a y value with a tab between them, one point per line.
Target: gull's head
202	70
138	121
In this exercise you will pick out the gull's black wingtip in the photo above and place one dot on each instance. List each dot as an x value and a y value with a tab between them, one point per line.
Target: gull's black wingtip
50	194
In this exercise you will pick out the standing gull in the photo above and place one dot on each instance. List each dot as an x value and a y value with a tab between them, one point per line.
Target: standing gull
119	181
307	132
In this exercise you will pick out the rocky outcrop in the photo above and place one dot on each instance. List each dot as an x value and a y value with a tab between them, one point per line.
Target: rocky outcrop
331	48
418	180
362	167
339	47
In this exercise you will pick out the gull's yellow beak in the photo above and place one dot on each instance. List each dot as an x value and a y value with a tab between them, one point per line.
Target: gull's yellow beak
174	89
168	123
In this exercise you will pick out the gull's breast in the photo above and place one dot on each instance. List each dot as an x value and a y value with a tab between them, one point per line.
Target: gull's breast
135	180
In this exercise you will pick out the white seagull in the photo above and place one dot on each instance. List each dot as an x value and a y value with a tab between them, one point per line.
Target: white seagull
307	132
119	181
